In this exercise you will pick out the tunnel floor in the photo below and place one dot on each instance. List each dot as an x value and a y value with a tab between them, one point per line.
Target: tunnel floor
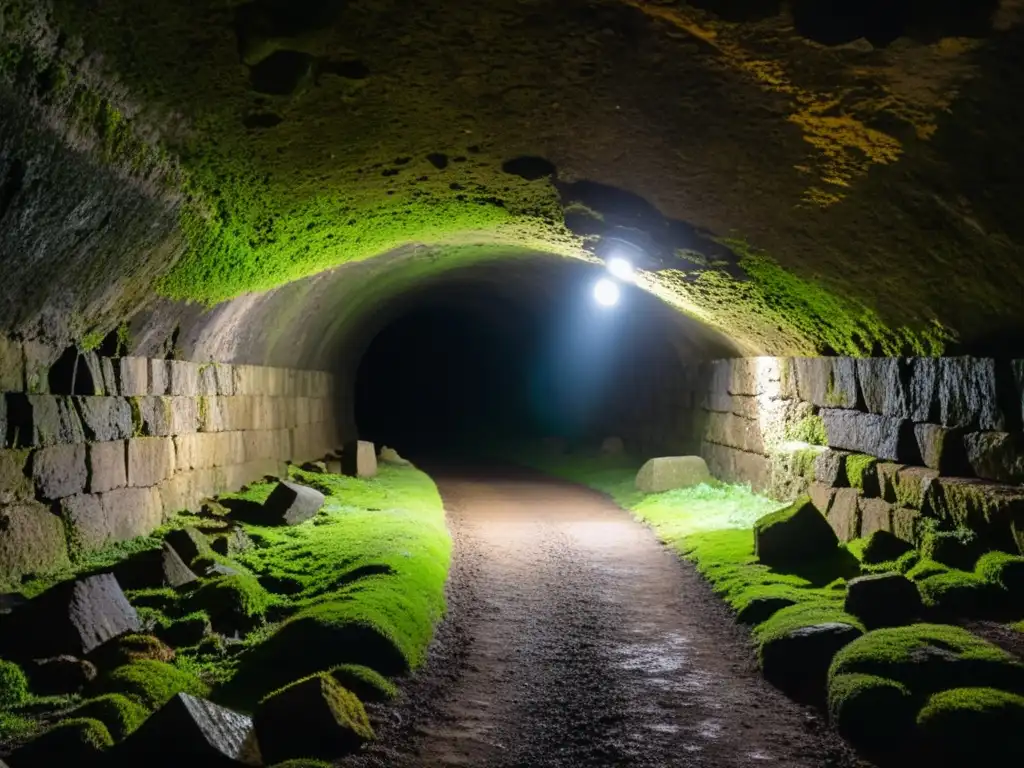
575	639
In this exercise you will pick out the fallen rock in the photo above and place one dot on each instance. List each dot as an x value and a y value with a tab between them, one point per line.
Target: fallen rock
359	459
314	717
390	456
153	569
189	543
73	618
174	572
291	504
186	631
214	509
798	532
191	731
669	472
234	542
958	726
77	742
316	467
797	661
613	446
60	675
131	648
883	600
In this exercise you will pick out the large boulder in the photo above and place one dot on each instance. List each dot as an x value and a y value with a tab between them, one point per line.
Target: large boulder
958	726
795	655
291	504
670	472
798	532
314	717
883	600
359	459
191	731
31	541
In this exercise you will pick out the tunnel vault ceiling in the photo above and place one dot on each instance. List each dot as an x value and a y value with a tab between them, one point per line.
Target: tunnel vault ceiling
803	176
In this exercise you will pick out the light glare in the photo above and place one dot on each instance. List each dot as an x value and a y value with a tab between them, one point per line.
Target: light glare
621	268
606	292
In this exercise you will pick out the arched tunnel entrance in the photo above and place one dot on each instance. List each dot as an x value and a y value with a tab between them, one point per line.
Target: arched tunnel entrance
522	350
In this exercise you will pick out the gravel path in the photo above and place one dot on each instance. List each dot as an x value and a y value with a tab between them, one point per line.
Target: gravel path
575	639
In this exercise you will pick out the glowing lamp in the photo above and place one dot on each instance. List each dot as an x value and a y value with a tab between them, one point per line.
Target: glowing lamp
606	292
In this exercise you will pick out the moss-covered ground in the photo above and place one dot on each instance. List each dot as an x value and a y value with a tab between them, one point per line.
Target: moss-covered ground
355	592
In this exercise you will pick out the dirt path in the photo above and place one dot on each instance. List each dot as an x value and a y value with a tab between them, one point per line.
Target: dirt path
576	639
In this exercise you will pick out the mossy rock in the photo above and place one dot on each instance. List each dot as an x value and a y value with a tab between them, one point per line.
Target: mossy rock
872	713
236	603
797	533
861	474
79	741
883	600
13	685
364	682
973	726
153	683
761	607
961	594
1006	571
928	658
958	549
118	713
884	547
186	631
128	648
924	569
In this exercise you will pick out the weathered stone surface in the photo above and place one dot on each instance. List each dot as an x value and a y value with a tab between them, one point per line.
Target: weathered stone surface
922	388
291	504
105	418
179	494
315	717
844	514
175	572
359	459
207	379
886	473
735	466
184	415
60	675
159	377
668	472
911	486
234	542
881	386
38	359
996	455
881	436
42	420
154	415
827	382
12	366
59	471
735	432
829	468
799	532
15	484
821	496
883	600
108	373
754	376
191	731
76	617
188	542
875	515
31	541
131	512
89	365
108	466
797	661
991	510
150	461
184	378
85	523
133	376
940	448
225	379
968	394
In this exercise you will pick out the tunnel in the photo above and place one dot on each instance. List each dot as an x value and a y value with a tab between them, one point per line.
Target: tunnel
600	382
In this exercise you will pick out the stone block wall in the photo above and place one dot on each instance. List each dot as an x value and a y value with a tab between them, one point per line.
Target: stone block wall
99	450
880	443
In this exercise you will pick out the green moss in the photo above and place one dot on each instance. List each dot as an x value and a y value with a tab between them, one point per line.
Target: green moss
119	714
1003	570
926	568
882	547
17	728
75	737
240	597
804	614
13	685
960	725
128	648
302	763
344	704
152	683
860	472
873	713
365	683
960	594
91	341
958	548
809	429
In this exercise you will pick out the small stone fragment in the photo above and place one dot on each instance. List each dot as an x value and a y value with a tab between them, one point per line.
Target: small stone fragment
291	504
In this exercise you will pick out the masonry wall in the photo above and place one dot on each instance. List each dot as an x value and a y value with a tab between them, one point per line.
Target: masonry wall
100	450
902	441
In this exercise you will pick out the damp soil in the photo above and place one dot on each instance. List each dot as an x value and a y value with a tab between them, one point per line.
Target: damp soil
574	638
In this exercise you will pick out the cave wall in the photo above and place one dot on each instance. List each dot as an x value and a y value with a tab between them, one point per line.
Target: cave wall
878	443
98	450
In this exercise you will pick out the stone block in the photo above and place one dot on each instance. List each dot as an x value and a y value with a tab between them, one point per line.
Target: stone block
184	415
89	365
754	376
875	515
111	388
5	433
59	471
133	376
85	522
359	459
968	394
214	414
830	468
105	418
186	452
922	388
881	386
131	512
159	377
844	514
31	541
735	466
42	420
207	380
291	504
735	432
881	436
184	378
821	496
179	494
15	483
38	359
150	461
827	382
993	511
906	524
225	379
911	484
883	600
153	415
996	456
108	466
240	413
886	472
941	448
12	366
245	381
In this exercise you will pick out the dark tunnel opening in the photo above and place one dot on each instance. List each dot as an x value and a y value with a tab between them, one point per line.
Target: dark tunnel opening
479	365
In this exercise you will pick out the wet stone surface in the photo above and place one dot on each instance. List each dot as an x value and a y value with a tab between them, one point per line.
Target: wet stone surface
575	639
